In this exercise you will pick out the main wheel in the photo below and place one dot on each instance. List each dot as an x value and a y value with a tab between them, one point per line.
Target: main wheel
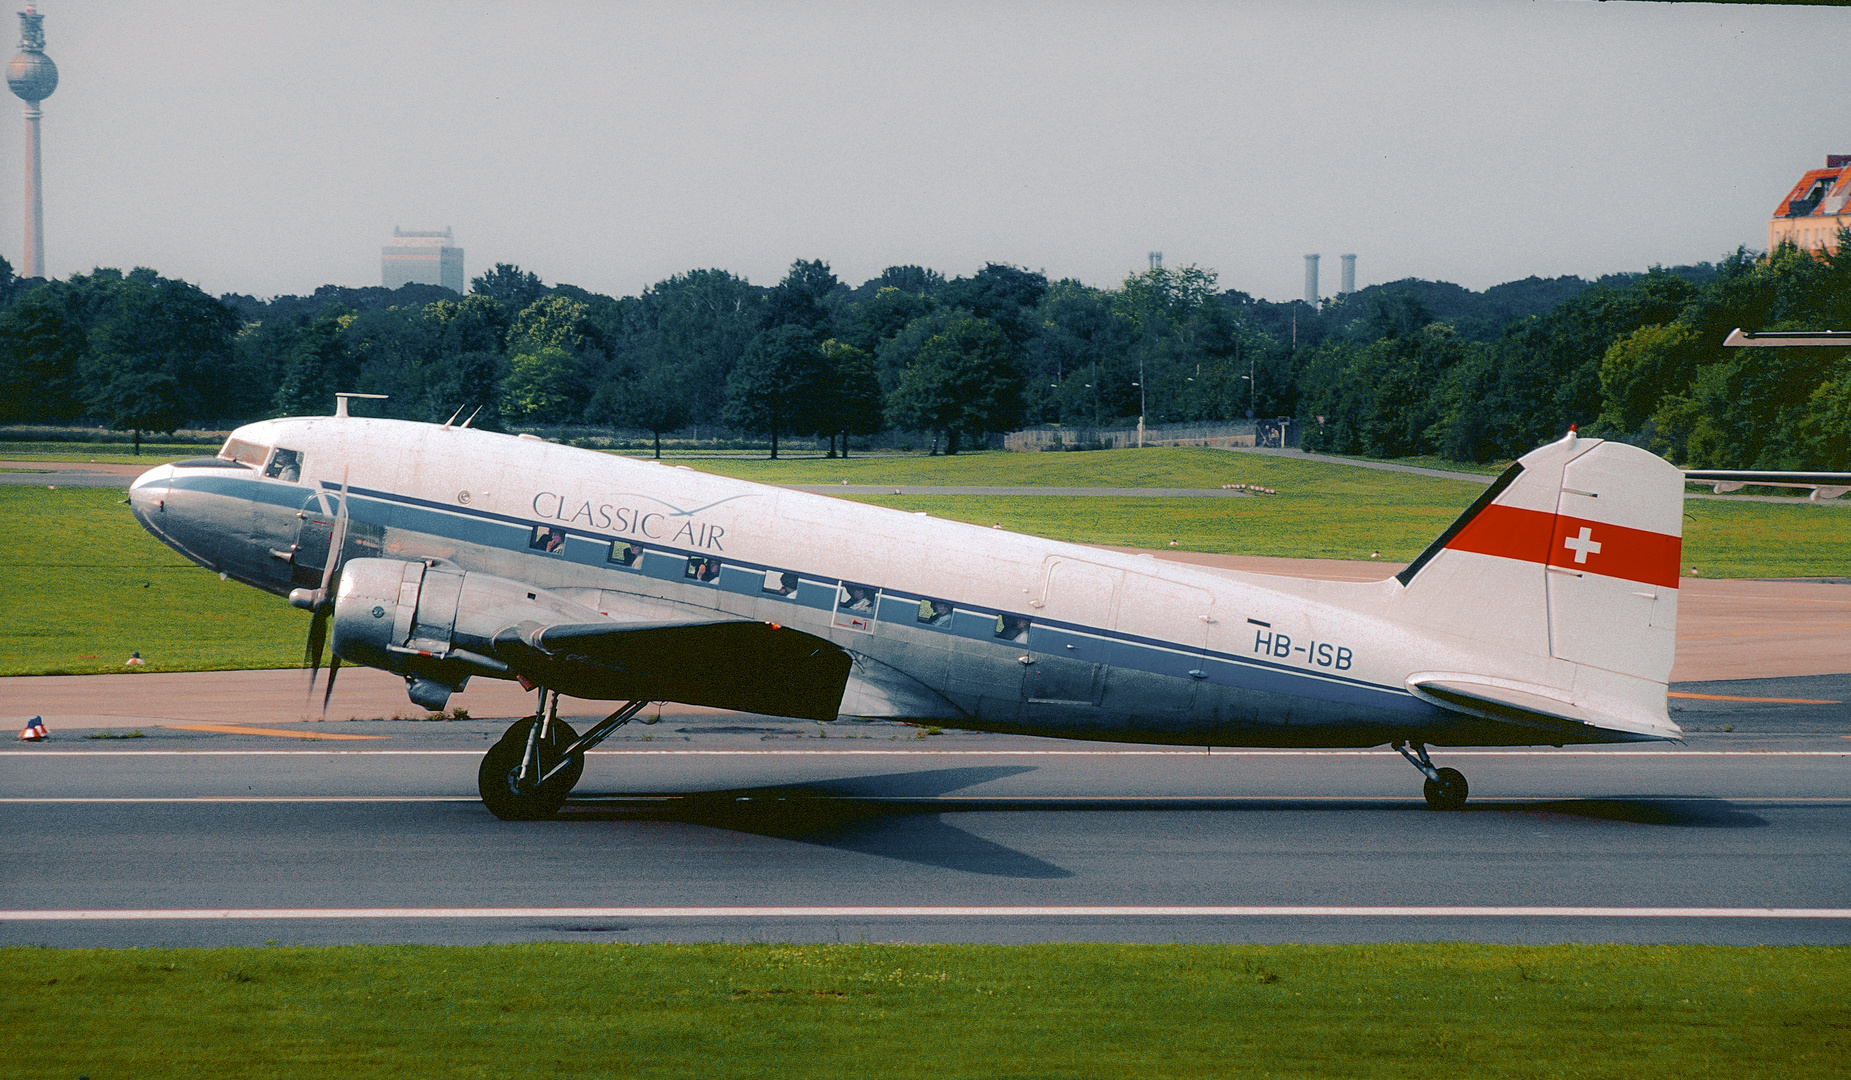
499	777
1446	793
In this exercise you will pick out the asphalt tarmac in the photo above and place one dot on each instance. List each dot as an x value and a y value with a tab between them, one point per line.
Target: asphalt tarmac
706	826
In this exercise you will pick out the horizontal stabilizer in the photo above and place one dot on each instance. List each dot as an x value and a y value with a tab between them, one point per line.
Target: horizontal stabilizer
1500	702
750	666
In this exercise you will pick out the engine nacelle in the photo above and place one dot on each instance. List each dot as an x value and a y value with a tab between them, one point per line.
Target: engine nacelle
434	624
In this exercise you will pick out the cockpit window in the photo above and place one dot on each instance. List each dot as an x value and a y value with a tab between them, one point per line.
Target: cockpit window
285	465
247	453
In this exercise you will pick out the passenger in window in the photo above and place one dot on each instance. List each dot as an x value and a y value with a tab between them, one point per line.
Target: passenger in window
786	586
1011	628
700	569
934	612
859	598
545	539
626	554
556	542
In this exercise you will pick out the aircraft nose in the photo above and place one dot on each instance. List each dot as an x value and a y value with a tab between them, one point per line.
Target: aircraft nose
148	495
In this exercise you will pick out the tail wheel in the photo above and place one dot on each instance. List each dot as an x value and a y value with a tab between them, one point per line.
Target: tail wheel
499	780
1447	791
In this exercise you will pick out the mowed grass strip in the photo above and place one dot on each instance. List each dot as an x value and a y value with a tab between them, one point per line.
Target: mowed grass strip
82	586
1724	540
939	1011
1157	467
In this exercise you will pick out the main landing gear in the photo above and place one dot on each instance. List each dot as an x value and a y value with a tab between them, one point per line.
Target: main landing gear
528	774
1445	789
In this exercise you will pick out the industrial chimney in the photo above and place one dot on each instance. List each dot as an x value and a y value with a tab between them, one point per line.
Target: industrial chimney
1349	275
1311	280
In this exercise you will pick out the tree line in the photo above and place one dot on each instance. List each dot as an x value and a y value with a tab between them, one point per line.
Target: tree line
1410	367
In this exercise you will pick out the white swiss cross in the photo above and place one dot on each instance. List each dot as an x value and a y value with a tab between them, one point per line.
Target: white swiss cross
1581	545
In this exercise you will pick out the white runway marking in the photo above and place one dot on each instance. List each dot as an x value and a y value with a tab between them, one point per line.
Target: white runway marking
939	753
907	912
595	800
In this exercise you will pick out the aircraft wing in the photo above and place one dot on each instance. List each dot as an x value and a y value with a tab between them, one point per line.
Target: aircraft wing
1824	485
750	666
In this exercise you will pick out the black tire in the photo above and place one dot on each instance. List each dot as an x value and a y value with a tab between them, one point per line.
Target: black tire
1446	793
496	779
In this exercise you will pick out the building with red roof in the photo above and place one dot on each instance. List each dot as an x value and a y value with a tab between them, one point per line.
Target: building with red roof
1812	213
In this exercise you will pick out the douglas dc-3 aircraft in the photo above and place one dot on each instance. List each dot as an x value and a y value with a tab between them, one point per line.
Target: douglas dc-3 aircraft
1543	615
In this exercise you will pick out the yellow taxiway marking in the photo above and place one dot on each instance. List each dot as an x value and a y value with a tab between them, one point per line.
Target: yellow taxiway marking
1767	700
234	729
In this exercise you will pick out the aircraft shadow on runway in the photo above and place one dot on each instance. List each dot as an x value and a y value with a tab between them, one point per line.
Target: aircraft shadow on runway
902	815
899	823
1698	813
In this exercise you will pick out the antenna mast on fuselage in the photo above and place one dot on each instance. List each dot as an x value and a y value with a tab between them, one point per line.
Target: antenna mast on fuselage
340	402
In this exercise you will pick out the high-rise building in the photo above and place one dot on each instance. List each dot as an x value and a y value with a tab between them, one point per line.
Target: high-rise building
1812	213
421	257
33	77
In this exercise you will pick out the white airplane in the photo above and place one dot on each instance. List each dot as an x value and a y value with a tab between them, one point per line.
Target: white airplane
1544	615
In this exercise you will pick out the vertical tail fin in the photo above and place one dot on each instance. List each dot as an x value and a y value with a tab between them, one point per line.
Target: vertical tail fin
1572	554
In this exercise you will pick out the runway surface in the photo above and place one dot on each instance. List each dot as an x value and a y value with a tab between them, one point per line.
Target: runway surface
710	827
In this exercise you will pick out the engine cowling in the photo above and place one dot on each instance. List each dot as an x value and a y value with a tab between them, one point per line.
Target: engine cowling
435	624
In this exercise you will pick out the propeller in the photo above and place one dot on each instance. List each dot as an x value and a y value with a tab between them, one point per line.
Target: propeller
324	603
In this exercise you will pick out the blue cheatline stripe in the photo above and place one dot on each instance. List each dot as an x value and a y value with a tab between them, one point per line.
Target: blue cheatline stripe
663	562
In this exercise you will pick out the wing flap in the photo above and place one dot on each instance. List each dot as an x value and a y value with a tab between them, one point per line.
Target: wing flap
750	666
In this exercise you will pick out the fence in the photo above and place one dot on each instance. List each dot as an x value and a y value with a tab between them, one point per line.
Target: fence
1281	432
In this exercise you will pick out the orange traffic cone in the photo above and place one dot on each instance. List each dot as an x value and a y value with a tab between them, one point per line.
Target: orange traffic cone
34	731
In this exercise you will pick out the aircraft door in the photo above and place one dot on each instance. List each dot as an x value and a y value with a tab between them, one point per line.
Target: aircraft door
1161	653
1067	663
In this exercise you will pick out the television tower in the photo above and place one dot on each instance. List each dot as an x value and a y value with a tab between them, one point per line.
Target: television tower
33	77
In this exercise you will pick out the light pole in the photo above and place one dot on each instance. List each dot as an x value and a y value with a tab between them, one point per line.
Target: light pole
1140	403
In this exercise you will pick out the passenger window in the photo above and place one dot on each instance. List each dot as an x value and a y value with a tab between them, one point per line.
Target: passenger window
781	582
935	612
244	453
855	606
626	554
703	569
285	465
1011	628
547	539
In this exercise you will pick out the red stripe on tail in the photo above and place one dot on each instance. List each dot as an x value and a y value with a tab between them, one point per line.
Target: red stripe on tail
1593	547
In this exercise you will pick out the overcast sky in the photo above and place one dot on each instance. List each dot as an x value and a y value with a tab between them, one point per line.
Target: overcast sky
271	148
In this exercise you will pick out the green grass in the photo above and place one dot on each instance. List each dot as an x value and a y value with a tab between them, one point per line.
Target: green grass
152	453
82	586
928	1011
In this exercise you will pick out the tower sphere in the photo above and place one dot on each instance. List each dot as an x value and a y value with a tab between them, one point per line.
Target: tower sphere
32	76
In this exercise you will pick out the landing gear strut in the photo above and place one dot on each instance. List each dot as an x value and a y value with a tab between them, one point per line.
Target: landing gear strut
528	774
1445	789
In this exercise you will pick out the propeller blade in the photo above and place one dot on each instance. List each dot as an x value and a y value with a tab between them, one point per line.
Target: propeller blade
317	639
336	541
334	668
